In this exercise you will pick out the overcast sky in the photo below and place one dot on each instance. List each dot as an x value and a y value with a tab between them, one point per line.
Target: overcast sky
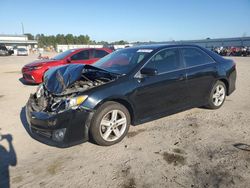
131	20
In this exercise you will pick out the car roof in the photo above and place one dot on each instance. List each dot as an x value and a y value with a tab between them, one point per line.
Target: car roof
89	49
161	46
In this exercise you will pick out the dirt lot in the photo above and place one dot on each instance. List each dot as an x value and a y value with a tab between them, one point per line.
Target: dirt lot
195	148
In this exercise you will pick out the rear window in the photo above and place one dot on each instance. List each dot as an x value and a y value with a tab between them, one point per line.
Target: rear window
83	55
194	57
99	53
21	49
3	48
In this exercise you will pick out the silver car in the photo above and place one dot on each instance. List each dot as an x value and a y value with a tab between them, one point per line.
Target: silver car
22	51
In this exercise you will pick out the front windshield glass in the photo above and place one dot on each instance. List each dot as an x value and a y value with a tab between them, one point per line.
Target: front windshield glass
122	61
63	55
21	49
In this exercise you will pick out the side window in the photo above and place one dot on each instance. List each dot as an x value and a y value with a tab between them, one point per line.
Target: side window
99	53
165	61
194	57
82	55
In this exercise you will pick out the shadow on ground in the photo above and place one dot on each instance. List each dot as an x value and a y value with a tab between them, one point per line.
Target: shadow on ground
24	82
242	146
7	158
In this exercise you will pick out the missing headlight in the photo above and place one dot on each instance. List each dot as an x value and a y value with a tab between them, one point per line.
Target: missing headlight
58	106
39	91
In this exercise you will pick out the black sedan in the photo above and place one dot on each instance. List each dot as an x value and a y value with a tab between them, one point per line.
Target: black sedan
128	87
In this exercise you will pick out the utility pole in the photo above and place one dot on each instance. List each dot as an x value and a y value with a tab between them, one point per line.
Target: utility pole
22	28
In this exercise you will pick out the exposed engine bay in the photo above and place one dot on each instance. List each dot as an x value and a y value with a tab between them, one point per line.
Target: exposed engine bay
84	84
48	99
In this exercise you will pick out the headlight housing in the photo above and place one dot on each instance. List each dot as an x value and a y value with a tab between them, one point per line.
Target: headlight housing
75	101
35	67
39	91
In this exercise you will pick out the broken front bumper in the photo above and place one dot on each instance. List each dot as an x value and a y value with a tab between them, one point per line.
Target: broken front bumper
62	129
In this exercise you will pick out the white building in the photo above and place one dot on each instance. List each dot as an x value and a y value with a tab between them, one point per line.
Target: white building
15	41
64	47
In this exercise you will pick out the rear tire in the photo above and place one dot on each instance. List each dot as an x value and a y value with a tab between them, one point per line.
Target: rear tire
217	95
110	124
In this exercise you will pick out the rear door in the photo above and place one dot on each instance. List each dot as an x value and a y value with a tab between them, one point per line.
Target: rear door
201	74
164	92
82	57
98	53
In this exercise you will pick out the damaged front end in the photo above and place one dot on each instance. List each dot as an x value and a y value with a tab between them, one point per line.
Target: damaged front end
56	112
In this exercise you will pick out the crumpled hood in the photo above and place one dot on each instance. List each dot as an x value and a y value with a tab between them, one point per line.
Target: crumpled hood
57	79
39	62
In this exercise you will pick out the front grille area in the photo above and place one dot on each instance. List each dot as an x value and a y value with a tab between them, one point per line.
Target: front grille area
47	134
27	76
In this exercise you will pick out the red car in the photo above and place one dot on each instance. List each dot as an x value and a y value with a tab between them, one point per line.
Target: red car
33	72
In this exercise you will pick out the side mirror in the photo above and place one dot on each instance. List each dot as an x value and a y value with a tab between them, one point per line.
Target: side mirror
148	72
68	60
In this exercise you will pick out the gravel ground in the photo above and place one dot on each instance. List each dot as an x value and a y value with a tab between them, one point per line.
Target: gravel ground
195	148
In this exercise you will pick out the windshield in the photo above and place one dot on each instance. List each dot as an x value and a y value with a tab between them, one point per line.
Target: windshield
122	61
22	49
62	55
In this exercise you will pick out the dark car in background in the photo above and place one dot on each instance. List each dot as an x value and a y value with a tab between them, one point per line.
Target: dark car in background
33	72
4	51
127	87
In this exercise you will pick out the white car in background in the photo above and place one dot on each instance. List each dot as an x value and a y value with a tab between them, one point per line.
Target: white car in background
22	51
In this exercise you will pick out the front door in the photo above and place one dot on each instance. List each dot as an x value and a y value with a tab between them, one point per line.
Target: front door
164	92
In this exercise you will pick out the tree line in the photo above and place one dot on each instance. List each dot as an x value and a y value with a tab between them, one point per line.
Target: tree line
53	40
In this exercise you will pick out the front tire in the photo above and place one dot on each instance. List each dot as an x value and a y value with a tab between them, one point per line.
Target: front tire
110	124
217	95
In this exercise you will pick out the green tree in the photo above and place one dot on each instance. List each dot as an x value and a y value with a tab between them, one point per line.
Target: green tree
69	39
30	36
121	42
60	39
52	40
